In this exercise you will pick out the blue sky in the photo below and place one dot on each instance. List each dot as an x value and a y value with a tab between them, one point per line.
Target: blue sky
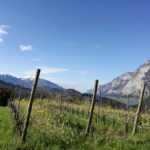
74	42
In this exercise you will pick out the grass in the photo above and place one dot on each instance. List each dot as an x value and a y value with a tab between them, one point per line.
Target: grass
8	136
53	129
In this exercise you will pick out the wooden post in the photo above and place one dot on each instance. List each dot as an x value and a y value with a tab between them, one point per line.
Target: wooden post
104	119
30	106
114	122
13	96
126	123
138	109
19	97
92	108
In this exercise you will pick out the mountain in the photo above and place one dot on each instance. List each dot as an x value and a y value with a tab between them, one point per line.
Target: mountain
5	85
10	79
128	83
115	86
27	82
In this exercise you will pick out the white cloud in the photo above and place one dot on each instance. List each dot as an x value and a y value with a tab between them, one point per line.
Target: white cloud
1	40
3	32
36	59
25	48
49	70
46	70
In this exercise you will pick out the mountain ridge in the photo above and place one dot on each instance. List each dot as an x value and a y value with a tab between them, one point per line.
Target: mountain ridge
127	83
27	82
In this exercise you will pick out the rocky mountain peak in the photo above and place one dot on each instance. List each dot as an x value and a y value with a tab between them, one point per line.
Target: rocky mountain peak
127	83
147	62
145	67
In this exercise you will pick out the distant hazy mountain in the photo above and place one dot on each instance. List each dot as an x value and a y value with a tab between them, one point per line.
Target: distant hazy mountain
27	82
127	83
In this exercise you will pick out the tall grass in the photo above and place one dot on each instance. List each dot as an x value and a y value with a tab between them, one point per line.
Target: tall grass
8	135
52	128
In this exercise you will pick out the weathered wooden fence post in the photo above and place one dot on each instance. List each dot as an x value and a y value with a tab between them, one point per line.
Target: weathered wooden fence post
138	109
113	122
19	99
126	124
30	106
92	107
